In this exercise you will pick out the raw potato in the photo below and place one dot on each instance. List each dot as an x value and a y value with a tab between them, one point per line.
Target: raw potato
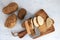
49	22
29	27
21	14
12	7
40	20
23	24
35	22
42	13
30	22
11	21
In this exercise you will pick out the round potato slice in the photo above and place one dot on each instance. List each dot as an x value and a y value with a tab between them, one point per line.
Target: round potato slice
32	24
40	20
35	22
11	21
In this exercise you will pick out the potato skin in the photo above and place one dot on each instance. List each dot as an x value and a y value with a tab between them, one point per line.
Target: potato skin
21	14
12	7
11	21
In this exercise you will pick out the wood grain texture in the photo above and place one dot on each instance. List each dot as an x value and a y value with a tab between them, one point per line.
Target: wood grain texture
51	29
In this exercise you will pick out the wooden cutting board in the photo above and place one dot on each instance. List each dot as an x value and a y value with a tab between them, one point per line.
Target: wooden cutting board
51	29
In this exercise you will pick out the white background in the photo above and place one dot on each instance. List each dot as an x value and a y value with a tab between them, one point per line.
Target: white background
52	8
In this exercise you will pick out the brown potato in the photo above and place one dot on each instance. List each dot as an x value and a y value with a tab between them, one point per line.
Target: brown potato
11	21
21	14
42	13
10	8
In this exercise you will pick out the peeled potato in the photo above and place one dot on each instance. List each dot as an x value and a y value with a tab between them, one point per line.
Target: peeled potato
49	22
11	21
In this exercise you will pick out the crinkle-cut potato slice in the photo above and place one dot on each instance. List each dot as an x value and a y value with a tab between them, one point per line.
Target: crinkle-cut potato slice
11	21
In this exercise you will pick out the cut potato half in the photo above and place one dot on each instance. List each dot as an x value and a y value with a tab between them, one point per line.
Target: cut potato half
49	22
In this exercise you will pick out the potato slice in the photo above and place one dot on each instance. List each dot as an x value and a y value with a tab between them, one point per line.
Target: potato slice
32	24
35	22
11	21
49	22
40	20
27	27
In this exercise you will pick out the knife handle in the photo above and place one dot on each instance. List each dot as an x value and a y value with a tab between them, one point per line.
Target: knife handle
22	33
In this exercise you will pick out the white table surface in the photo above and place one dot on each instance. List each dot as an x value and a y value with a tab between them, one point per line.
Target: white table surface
52	8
